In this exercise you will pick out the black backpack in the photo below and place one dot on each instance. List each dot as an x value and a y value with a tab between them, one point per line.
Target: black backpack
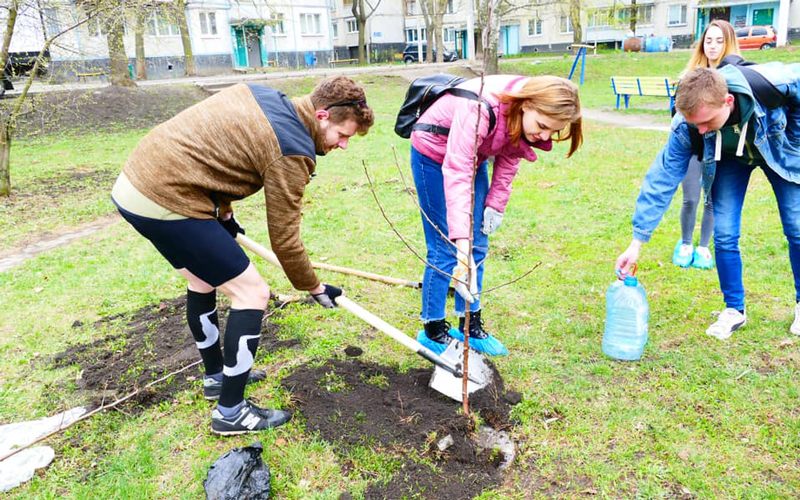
763	90
422	93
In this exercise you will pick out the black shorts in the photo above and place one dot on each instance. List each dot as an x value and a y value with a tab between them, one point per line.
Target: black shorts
202	246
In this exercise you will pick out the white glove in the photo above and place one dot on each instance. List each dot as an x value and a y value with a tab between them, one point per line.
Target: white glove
466	287
492	219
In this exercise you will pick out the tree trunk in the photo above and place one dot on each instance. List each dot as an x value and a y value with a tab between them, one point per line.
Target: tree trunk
634	14
361	19
438	22
5	127
188	56
5	159
491	38
141	62
115	32
575	17
10	22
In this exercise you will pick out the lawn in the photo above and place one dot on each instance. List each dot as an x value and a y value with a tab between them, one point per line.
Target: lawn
694	418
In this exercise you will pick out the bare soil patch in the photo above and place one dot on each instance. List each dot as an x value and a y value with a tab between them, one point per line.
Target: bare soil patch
105	109
352	403
155	342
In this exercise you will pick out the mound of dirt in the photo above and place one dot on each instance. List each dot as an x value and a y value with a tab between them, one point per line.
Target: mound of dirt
156	342
352	403
105	109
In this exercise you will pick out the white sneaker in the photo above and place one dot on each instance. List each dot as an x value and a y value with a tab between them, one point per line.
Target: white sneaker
728	322
795	328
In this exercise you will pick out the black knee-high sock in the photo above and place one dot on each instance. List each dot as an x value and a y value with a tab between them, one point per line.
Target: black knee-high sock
201	314
241	343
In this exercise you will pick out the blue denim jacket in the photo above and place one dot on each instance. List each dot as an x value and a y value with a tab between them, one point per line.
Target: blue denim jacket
777	137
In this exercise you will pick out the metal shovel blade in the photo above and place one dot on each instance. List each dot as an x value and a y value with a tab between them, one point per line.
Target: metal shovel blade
445	382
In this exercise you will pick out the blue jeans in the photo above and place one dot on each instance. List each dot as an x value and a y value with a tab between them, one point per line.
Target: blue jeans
728	191
441	252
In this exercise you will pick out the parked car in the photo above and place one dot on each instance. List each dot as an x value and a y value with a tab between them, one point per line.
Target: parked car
411	53
756	37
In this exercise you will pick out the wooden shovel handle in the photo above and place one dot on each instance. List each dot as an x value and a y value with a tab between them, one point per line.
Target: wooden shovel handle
343	302
270	256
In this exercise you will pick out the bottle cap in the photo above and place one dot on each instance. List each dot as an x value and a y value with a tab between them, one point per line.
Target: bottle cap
631	281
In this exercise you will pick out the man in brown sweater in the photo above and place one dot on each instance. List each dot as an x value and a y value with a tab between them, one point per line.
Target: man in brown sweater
177	187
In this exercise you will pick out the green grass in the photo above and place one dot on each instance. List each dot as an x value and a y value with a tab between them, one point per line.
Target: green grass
718	419
596	91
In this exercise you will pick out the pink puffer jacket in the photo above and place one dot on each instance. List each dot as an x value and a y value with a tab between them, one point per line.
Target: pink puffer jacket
454	152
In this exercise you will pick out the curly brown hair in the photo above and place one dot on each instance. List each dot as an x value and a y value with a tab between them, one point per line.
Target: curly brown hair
344	99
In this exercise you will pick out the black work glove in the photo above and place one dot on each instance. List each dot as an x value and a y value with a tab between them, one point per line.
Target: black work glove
327	299
232	226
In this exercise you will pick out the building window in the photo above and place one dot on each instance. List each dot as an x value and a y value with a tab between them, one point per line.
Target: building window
159	24
677	15
412	9
566	24
449	9
95	27
352	26
645	14
535	26
449	34
208	23
276	21
413	34
52	24
310	24
335	29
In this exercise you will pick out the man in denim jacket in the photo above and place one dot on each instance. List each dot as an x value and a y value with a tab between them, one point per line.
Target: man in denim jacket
739	134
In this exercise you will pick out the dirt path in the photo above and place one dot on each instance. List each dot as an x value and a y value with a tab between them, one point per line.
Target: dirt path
16	257
642	122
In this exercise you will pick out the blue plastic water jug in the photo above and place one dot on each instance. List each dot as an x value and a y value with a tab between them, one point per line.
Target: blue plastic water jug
627	312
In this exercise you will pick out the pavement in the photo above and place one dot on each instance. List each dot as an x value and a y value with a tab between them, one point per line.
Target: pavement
221	81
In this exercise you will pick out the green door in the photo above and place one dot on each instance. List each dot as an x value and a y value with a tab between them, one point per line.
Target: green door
763	17
239	47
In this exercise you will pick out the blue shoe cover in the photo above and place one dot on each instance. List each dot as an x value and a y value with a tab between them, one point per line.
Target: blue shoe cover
701	262
678	259
436	347
489	345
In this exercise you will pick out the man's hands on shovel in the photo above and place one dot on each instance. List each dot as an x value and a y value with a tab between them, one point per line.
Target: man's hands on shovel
325	295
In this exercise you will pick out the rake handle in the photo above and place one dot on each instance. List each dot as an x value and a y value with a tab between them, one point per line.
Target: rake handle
270	256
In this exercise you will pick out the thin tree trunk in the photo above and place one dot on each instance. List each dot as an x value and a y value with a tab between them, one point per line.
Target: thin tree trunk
188	56
491	38
5	128
634	14
575	17
115	33
141	62
10	23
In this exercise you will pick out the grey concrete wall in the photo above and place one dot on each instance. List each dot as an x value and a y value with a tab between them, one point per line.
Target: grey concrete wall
545	48
157	67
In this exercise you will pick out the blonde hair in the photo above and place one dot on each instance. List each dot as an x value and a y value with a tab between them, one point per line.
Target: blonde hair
730	45
700	86
551	96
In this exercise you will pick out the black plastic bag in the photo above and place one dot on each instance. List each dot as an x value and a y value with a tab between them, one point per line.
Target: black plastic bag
239	474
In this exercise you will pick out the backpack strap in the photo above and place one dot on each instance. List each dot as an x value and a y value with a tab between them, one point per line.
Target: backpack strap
466	94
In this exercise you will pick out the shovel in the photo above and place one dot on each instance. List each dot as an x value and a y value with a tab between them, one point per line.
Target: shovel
448	371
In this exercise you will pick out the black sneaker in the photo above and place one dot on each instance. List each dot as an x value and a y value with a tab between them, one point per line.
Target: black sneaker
476	330
438	331
212	388
251	418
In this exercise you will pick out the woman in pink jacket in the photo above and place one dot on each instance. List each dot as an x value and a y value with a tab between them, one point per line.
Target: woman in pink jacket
529	113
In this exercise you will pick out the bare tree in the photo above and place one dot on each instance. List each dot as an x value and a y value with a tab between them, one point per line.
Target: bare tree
139	19
11	110
180	13
427	15
433	12
575	19
118	60
362	10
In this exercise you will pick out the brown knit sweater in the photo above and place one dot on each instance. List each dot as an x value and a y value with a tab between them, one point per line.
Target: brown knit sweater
226	148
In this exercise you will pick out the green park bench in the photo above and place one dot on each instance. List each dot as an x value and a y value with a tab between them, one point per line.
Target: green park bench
90	73
654	86
339	62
